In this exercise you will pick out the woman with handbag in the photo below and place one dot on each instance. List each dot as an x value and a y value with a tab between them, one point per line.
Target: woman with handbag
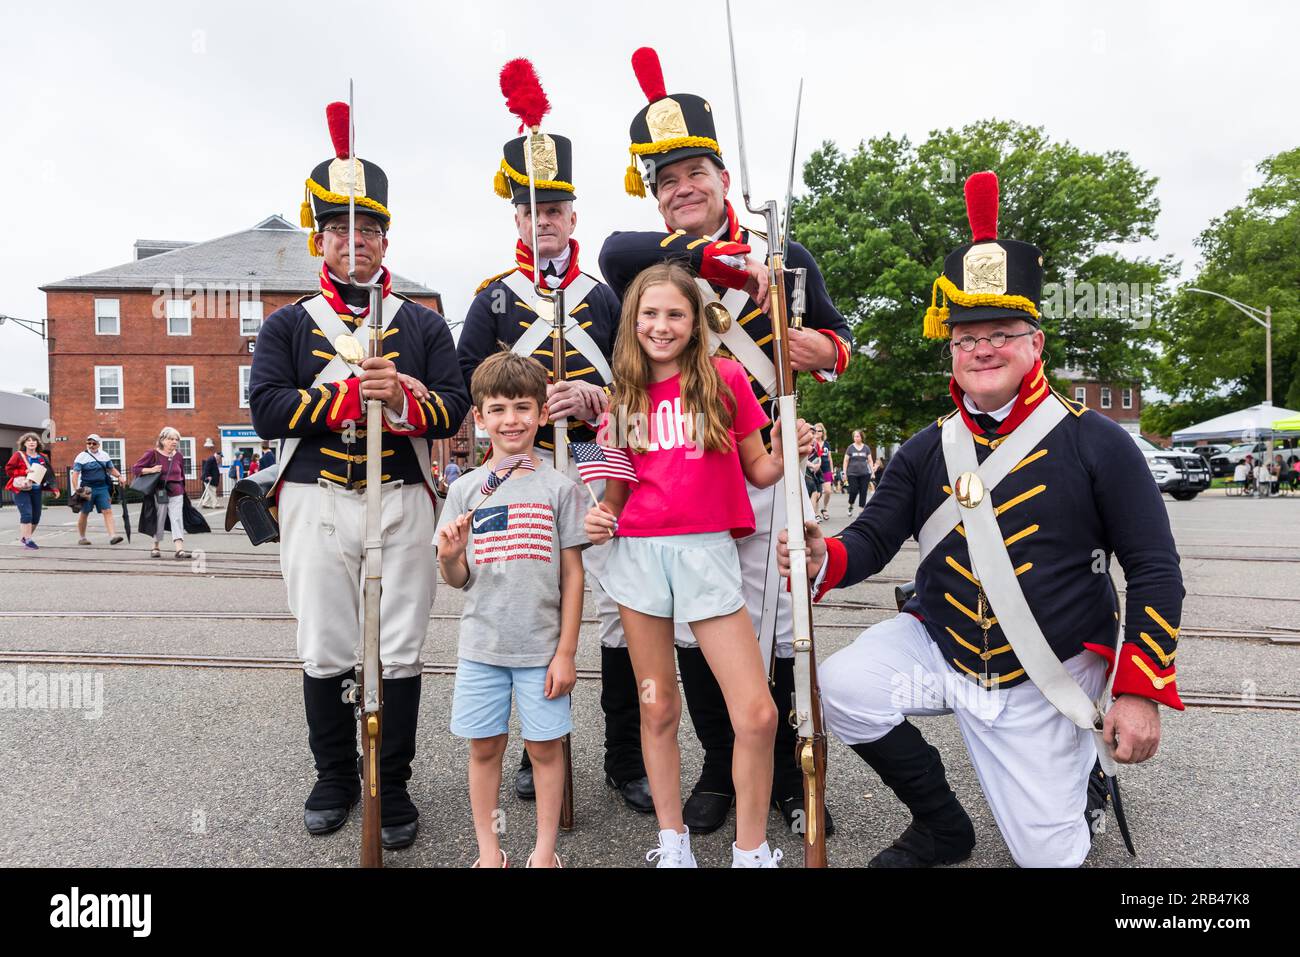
30	476
161	479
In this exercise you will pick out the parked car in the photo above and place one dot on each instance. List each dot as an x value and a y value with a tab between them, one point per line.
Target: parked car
1206	452
1183	475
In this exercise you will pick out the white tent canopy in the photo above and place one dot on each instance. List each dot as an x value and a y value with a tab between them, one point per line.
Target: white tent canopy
1247	425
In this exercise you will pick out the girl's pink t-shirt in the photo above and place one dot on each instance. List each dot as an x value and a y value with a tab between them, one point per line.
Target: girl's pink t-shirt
682	489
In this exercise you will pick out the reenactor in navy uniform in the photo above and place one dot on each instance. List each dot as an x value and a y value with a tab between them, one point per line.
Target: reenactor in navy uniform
1019	499
503	314
674	137
304	392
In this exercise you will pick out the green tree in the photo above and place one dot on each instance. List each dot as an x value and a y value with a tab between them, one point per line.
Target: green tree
1213	356
881	220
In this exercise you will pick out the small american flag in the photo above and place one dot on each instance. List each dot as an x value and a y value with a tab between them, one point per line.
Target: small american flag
595	463
508	466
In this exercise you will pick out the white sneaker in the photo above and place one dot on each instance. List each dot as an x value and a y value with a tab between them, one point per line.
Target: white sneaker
762	856
674	850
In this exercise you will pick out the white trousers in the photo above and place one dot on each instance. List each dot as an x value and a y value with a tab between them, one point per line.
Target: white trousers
1032	762
766	596
594	558
322	538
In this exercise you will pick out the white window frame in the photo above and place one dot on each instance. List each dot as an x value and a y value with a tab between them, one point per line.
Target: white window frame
1081	394
180	447
121	388
120	459
108	309
193	388
175	311
247	314
245	378
1126	398
1105	397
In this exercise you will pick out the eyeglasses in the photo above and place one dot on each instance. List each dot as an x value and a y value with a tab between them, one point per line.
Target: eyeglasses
91	443
367	233
997	340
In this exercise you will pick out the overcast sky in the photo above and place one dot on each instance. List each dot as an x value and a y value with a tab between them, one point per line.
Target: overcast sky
191	120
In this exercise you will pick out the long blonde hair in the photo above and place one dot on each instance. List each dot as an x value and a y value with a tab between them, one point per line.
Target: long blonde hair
705	397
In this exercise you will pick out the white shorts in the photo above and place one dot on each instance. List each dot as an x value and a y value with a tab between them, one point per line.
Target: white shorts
683	577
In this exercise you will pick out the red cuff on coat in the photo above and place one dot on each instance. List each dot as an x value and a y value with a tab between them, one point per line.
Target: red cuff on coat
837	563
712	269
841	355
1138	675
345	406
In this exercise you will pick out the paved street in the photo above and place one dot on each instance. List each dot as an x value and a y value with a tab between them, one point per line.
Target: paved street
209	766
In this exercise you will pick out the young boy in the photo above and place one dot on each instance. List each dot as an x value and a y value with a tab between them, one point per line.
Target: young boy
516	552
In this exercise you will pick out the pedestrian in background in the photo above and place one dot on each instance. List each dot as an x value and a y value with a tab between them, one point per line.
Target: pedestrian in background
30	476
95	470
268	457
858	466
211	479
167	507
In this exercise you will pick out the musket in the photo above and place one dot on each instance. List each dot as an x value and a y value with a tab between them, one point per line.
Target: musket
368	693
552	300
810	748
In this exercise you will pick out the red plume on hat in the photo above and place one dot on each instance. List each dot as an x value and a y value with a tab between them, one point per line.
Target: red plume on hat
649	73
339	117
982	205
523	92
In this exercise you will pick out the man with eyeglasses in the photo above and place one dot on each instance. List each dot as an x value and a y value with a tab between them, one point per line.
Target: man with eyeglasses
1018	498
308	389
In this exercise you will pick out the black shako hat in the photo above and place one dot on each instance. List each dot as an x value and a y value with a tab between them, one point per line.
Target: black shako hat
327	187
987	278
552	155
668	128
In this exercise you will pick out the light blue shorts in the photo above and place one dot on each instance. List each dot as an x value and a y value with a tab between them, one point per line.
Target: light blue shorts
682	577
480	704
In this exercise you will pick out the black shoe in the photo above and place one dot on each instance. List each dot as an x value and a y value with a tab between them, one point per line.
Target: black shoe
325	821
941	832
332	734
706	811
918	846
636	794
525	790
792	806
397	836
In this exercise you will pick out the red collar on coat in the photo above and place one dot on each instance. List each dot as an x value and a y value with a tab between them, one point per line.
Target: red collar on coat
1033	389
524	260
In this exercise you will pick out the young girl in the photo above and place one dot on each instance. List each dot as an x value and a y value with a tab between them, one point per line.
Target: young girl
691	426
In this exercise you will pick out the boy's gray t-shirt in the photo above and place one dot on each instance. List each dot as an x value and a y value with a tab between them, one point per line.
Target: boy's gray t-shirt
512	598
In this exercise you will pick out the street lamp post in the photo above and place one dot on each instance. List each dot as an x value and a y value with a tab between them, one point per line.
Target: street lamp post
28	324
1267	322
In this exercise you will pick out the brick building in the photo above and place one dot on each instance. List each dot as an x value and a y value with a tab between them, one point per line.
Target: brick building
1120	401
168	339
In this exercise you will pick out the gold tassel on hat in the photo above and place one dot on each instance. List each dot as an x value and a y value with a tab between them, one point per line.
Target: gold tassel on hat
311	245
935	316
632	181
500	185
